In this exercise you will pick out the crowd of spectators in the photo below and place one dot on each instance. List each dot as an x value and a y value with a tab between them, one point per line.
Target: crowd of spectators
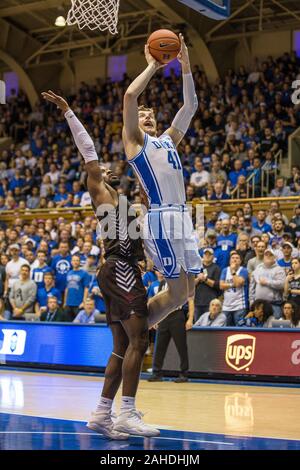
251	267
242	121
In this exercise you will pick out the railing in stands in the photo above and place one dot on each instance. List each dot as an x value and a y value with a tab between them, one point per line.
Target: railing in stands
287	205
267	171
294	149
250	185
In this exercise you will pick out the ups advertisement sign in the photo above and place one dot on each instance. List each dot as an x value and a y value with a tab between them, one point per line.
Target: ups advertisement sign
240	351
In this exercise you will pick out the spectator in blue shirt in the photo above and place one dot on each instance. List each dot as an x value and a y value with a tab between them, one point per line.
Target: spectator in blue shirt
88	313
77	287
95	293
43	293
226	240
260	223
255	173
61	265
154	286
39	272
16	182
220	256
286	261
260	316
149	275
61	196
236	172
219	192
76	189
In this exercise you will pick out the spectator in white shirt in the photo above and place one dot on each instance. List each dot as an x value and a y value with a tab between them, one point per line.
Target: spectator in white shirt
200	178
85	199
234	283
53	174
13	267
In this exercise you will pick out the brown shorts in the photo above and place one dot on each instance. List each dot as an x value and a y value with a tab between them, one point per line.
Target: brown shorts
123	291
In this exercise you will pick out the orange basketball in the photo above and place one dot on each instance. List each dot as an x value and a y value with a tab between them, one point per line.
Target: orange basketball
164	45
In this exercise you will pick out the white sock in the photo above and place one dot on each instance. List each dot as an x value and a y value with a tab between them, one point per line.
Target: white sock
105	404
127	403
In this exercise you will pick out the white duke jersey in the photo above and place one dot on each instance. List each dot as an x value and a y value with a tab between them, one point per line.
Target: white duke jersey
159	170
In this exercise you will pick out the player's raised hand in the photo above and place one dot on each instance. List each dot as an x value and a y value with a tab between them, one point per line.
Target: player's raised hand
60	102
151	60
183	56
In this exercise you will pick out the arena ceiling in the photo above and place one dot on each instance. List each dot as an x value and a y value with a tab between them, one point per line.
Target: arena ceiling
28	33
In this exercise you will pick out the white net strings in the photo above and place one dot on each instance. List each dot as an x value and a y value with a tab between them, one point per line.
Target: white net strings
94	14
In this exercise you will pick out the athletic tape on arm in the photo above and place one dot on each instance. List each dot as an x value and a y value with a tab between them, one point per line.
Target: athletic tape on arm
82	139
184	116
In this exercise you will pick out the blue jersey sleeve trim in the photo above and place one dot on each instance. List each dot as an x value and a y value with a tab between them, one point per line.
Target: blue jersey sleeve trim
141	151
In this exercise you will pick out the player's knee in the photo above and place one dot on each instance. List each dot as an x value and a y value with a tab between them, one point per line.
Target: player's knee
121	348
140	343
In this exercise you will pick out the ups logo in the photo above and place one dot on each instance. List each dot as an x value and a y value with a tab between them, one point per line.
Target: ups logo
240	351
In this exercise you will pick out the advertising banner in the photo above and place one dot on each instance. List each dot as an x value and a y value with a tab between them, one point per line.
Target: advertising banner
55	344
258	352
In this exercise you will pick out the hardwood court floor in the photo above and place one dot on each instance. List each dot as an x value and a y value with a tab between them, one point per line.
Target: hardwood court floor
269	412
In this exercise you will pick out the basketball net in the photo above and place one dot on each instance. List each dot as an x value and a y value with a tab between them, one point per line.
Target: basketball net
94	14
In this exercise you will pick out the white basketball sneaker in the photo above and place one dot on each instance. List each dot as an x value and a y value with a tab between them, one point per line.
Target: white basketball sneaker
130	421
101	422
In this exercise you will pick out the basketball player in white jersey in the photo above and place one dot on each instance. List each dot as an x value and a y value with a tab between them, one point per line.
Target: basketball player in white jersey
157	164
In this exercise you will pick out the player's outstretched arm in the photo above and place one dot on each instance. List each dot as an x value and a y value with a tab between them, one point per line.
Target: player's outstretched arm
184	116
131	131
85	145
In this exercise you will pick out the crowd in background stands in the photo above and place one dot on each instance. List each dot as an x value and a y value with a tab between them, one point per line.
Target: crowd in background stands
250	263
242	121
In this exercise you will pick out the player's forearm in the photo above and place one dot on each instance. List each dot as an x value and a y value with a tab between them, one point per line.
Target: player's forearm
186	68
138	85
94	173
184	116
82	139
